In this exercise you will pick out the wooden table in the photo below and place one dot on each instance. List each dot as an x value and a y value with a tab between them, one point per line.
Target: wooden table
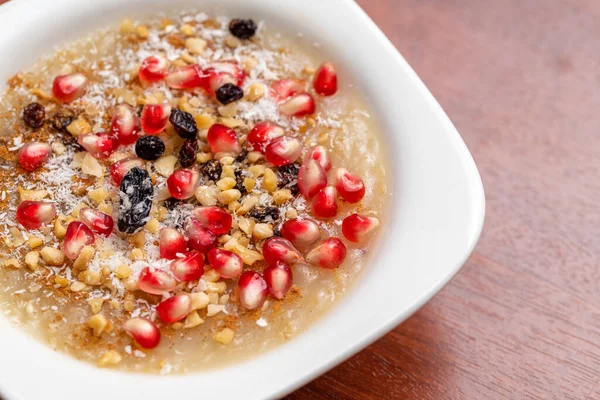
521	81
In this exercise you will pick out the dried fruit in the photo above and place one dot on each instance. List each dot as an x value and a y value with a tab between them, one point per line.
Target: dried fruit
183	183
288	177
283	150
121	167
188	77
174	308
60	121
349	186
265	214
298	106
311	178
33	154
324	204
358	228
33	214
279	279
301	232
143	331
325	80
199	237
77	237
188	268
34	115
136	192
222	139
253	290
330	254
319	154
285	88
214	219
171	243
228	264
228	93
149	148
212	169
184	123
99	145
67	88
187	153
155	281
242	28
154	68
154	118
280	249
97	221
220	73
125	125
262	134
239	181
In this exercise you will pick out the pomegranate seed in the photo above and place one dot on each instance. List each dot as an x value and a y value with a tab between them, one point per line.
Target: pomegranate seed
262	134
283	151
99	145
143	331
77	237
155	117
301	232
325	80
213	218
188	77
329	254
125	125
357	228
154	68
189	268
67	88
222	139
200	238
97	221
280	249
298	106
319	153
121	167
183	183
155	281
324	204
226	263
174	308
253	290
311	178
223	72
33	155
33	214
350	187
279	279
171	243
285	88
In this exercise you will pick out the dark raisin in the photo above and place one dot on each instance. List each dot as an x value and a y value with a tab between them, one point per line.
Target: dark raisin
228	93
184	123
136	192
242	156
172	203
34	115
61	121
239	181
149	147
187	153
287	177
276	232
212	169
265	214
242	28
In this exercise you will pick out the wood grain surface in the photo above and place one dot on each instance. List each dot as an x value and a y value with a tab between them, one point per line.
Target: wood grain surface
520	79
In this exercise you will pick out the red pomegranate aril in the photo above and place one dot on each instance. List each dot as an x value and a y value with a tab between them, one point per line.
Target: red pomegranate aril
223	72
171	242
279	279
174	308
330	254
285	88
199	237
33	154
324	204
188	268
154	69
253	290
349	186
188	77
77	237
183	183
33	214
226	263
213	218
280	249
99	145
301	232
155	281
143	331
298	106
121	167
325	80
97	221
262	134
311	178
125	125
319	153
67	88
154	118
222	139
358	228
283	151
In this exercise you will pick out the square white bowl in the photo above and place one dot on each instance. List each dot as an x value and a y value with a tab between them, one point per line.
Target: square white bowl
435	216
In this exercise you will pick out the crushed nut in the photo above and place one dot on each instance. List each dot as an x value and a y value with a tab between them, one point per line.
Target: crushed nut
199	300
84	258
32	260
111	357
52	256
96	304
224	336
269	180
195	45
192	320
262	231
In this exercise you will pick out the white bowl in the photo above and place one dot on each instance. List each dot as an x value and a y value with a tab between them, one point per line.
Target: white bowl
435	218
